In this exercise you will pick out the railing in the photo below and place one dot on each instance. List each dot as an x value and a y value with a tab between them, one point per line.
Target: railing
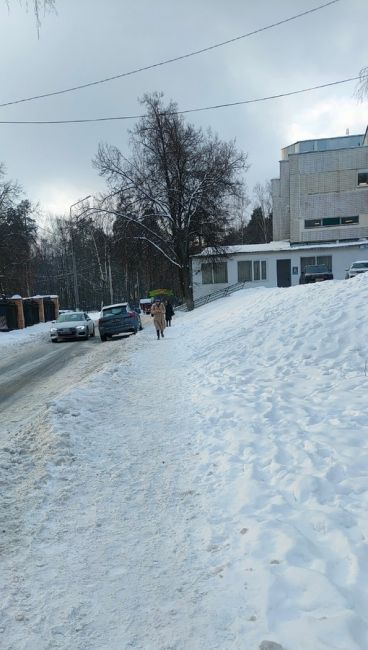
210	297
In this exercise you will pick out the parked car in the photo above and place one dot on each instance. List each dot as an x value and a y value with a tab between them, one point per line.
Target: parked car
118	319
72	325
315	273
361	266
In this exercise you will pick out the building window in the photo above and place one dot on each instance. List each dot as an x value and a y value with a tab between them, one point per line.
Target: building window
326	260
206	273
263	270
214	273
312	223
320	259
346	221
245	272
249	271
256	271
331	221
363	179
220	272
306	261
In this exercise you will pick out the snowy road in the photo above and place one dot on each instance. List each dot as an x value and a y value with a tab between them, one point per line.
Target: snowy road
33	368
108	544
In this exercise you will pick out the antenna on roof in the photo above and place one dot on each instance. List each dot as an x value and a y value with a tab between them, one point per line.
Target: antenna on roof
347	132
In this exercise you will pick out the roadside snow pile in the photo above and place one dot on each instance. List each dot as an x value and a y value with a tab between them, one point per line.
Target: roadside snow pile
218	492
26	335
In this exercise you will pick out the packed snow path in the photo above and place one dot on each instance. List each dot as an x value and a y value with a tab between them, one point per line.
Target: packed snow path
206	491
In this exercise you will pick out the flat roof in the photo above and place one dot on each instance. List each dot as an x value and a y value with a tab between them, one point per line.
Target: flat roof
275	246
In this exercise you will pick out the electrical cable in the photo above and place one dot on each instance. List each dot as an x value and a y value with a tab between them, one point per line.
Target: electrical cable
188	110
172	60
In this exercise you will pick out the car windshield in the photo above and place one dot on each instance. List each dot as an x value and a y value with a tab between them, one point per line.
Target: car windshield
316	268
359	265
114	311
70	317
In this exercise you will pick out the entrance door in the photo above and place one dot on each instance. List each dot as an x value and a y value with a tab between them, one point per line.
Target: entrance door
283	273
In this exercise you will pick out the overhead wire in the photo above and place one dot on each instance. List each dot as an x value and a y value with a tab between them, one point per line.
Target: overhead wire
188	110
171	60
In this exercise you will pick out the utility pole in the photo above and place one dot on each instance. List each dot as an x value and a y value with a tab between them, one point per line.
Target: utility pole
75	277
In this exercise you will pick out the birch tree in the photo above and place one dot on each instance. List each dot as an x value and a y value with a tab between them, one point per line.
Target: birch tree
175	187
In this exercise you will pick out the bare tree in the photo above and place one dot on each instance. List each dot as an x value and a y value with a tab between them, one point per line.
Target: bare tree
263	200
175	187
39	7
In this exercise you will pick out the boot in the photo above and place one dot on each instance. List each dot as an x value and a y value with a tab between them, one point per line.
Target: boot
158	334
162	335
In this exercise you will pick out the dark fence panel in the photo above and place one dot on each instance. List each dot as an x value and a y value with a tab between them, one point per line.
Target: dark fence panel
30	310
49	309
8	316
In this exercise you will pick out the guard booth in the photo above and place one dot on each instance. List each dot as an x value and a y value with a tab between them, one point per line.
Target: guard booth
31	312
8	316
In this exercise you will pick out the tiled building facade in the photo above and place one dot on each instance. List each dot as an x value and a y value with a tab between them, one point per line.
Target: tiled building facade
322	192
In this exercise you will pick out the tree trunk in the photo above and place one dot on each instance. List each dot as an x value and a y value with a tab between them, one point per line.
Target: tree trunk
186	287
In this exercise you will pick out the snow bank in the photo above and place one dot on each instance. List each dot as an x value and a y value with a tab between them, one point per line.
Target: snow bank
211	487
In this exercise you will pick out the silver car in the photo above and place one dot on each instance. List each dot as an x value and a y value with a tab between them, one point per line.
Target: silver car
72	325
360	266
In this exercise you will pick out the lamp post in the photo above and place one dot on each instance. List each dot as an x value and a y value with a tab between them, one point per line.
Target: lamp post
75	278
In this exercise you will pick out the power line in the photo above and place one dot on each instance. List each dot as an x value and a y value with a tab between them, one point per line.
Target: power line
188	110
172	60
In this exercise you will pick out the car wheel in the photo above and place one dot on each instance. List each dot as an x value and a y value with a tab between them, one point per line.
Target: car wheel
93	332
103	337
54	341
86	336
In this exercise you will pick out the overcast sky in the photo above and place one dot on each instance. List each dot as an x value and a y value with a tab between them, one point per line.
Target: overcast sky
89	40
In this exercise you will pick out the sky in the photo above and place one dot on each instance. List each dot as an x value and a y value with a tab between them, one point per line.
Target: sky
218	501
88	40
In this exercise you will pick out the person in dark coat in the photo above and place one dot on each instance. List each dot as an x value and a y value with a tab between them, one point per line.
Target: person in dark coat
169	313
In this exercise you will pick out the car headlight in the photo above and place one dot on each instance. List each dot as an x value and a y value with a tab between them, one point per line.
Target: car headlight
53	330
81	327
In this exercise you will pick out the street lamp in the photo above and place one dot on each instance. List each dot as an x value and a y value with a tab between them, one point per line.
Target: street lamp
76	291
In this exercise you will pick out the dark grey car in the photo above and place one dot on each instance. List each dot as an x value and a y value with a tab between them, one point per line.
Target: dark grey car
118	319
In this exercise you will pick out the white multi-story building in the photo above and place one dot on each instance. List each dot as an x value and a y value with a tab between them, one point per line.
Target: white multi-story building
322	192
320	216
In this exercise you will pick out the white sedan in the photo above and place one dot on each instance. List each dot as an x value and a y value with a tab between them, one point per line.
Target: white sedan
360	266
72	325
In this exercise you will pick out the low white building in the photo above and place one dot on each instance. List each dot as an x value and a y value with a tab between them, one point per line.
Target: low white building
320	212
277	264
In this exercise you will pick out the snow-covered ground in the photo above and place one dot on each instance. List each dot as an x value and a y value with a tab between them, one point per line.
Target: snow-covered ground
206	491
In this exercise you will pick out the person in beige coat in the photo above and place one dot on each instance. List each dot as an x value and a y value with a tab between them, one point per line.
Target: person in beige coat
158	313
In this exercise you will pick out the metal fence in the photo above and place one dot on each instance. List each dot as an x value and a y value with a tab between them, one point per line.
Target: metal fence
210	297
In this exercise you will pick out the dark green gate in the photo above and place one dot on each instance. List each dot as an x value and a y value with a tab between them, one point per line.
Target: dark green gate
49	309
31	313
8	316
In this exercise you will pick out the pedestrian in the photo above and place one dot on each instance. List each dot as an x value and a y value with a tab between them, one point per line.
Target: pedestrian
169	313
158	314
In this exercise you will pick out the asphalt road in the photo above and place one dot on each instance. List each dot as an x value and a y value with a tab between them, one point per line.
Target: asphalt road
20	376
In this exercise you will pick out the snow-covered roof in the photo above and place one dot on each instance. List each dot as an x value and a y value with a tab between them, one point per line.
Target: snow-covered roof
277	246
